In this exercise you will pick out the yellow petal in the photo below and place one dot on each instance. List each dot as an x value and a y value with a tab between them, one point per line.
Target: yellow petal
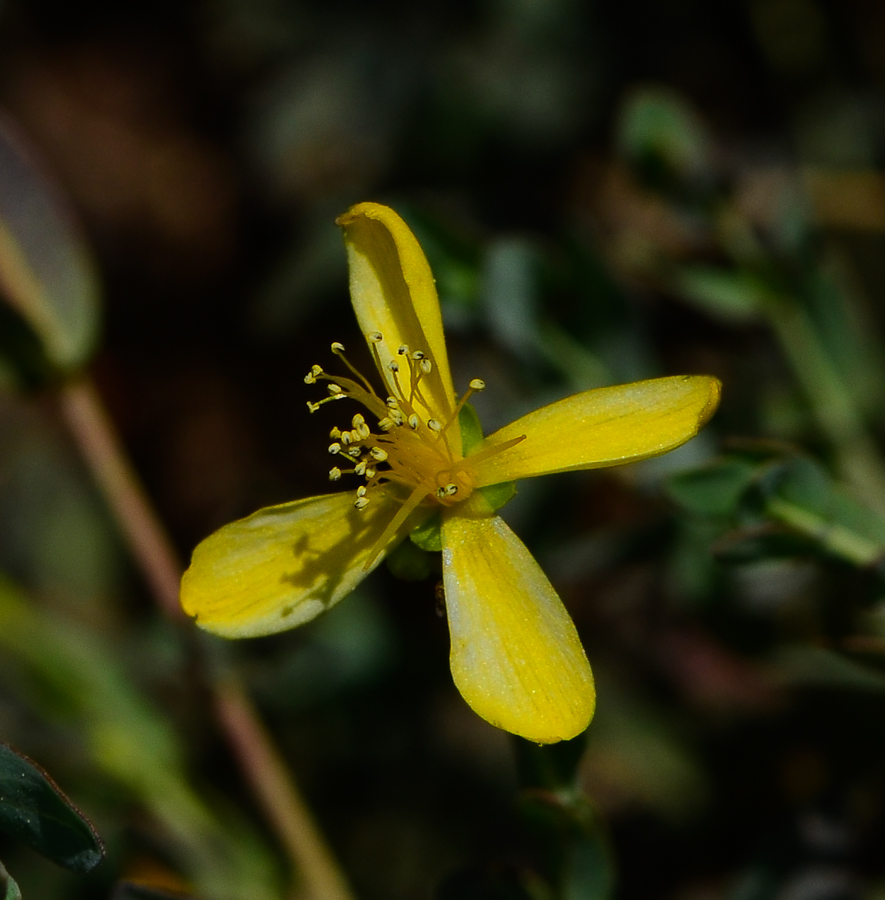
603	427
283	565
394	294
516	657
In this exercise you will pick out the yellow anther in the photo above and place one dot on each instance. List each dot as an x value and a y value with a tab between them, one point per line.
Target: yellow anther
312	375
418	460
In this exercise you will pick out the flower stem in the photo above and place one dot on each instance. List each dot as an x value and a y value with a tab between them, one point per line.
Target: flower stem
283	803
262	766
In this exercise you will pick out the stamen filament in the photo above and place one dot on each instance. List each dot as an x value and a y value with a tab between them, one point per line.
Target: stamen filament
475	386
394	524
483	455
338	350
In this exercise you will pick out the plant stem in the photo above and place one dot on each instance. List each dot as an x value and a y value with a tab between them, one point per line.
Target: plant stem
88	421
262	766
283	803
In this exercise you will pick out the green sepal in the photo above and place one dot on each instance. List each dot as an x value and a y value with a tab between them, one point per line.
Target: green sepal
409	562
497	495
428	535
471	430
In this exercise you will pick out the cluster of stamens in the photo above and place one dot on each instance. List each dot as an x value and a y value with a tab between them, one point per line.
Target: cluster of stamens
411	448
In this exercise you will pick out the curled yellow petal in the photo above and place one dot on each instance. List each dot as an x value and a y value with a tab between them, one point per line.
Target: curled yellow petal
515	656
394	295
283	565
603	427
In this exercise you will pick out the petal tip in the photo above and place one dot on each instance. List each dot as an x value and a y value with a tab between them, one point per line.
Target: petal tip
712	404
549	728
366	209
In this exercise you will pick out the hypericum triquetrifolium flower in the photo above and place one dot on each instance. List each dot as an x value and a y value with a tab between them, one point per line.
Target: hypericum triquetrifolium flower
515	655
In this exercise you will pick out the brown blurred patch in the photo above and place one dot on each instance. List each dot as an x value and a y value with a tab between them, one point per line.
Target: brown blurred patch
709	676
112	122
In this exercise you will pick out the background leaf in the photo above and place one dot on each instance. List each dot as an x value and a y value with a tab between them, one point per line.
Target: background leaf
34	810
46	272
9	890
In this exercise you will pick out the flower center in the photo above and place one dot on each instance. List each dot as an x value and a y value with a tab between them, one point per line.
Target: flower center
412	445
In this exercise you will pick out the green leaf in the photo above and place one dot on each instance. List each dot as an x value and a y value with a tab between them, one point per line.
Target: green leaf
785	504
510	294
34	810
807	665
663	137
9	890
807	499
46	272
81	683
730	295
715	489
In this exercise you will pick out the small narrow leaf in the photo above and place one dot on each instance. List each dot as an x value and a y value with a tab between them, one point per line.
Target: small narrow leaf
46	273
34	810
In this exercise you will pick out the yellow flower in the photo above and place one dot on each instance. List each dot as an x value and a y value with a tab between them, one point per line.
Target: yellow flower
515	655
